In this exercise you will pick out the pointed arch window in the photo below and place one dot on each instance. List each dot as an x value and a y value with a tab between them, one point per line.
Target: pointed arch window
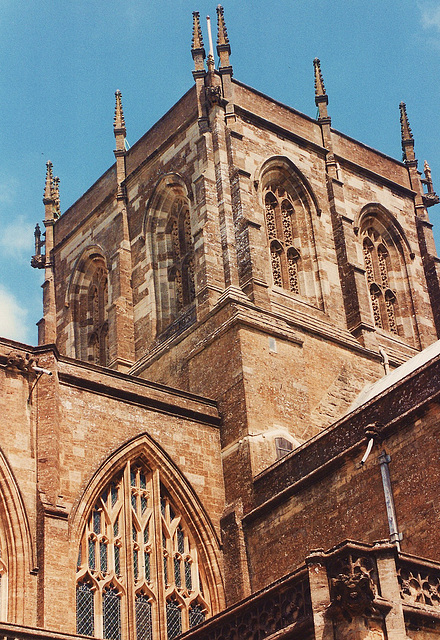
378	269
181	269
97	317
137	560
89	298
280	224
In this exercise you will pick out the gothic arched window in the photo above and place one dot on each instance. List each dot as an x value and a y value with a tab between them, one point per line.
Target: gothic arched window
290	208
181	269
97	317
378	269
138	561
280	224
89	300
170	245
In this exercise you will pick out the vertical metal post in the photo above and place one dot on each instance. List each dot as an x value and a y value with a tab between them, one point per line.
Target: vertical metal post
395	536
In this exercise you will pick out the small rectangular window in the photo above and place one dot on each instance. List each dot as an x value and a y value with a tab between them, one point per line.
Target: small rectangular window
283	447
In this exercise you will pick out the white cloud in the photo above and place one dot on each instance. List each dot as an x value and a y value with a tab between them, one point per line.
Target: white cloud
430	15
8	189
12	317
17	238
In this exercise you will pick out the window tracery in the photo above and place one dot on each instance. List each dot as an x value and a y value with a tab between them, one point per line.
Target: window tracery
290	210
152	571
378	271
181	269
285	257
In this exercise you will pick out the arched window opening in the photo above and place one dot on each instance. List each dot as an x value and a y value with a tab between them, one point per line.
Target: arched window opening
97	317
89	300
285	256
120	576
181	269
378	269
171	249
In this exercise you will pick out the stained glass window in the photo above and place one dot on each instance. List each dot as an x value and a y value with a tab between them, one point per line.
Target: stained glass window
110	563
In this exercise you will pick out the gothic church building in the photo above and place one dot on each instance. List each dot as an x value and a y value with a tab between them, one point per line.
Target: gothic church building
230	427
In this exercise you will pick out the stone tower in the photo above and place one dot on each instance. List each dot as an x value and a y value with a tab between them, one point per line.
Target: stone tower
247	253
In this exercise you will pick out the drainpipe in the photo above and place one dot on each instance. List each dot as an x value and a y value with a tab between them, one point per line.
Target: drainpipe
384	459
385	360
395	536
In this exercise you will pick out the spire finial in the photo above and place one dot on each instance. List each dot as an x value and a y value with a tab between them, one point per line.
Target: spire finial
119	121
321	98
223	46
404	124
197	38
222	35
407	137
319	81
48	187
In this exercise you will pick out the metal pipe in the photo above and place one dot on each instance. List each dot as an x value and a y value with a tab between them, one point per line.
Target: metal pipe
395	536
368	450
385	360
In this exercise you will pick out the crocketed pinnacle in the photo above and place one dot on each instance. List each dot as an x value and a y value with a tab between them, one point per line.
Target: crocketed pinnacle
48	187
222	32
56	196
319	81
119	121
404	124
197	38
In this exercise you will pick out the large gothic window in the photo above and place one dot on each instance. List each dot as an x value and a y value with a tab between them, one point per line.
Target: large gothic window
138	567
290	209
280	224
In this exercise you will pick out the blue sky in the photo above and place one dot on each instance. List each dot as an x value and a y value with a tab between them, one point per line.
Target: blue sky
61	62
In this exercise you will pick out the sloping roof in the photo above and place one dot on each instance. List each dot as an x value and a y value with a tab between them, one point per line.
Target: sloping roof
411	365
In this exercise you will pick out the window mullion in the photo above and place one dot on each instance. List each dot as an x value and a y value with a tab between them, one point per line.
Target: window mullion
157	533
129	624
